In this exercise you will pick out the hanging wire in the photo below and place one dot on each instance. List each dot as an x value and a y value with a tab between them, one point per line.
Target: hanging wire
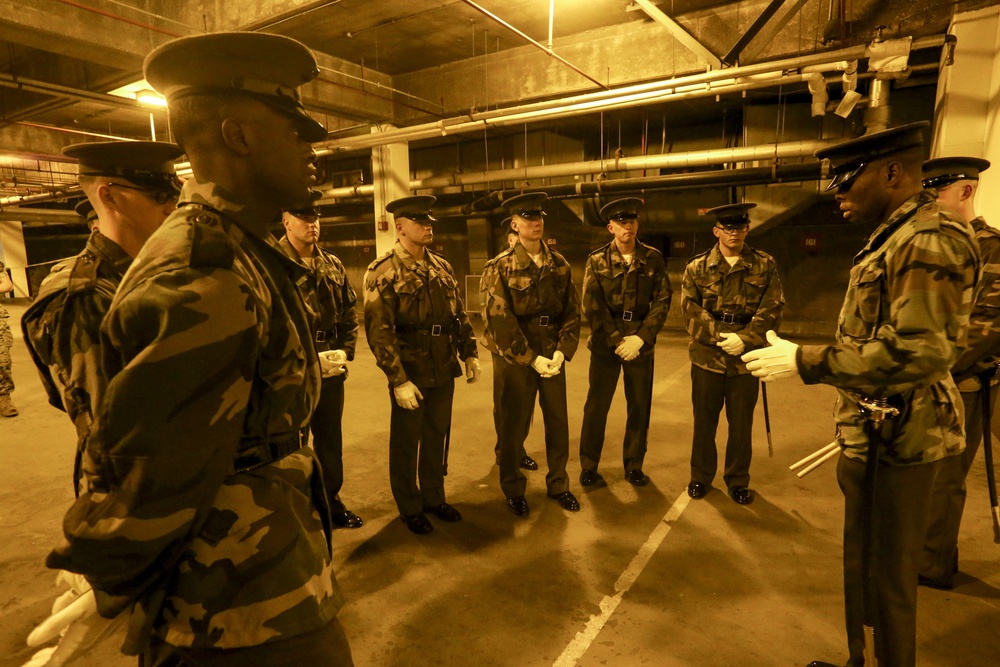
525	152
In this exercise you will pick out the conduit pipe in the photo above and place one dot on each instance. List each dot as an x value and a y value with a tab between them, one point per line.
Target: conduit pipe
752	176
591	101
688	159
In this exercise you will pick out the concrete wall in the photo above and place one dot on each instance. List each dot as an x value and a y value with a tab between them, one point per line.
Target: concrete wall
969	100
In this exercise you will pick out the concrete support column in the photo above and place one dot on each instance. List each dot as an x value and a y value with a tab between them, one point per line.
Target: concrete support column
391	177
14	255
969	102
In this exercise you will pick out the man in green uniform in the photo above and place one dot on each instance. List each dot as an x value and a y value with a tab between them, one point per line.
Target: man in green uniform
331	302
203	514
626	296
133	187
526	462
532	314
418	329
7	408
730	296
901	328
956	179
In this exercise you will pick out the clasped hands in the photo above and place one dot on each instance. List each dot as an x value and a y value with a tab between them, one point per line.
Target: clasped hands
546	367
628	348
332	363
777	361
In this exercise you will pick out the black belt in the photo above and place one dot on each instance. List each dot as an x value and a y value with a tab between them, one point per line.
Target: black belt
274	449
731	318
631	315
541	320
427	329
323	335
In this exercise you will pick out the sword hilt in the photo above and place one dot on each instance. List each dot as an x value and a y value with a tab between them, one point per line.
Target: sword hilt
877	410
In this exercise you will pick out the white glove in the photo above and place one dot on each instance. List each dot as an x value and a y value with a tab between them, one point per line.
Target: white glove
775	362
543	366
472	370
558	359
628	348
332	363
407	395
74	620
731	344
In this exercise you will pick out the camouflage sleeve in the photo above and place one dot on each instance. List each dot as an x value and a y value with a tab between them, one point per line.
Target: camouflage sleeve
381	305
983	345
72	353
501	324
569	332
659	304
348	323
595	307
467	348
768	315
168	427
929	283
698	322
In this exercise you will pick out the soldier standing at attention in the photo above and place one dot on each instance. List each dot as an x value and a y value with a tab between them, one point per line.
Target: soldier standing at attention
331	301
7	408
416	324
626	296
532	315
203	516
526	462
133	187
730	296
956	179
901	328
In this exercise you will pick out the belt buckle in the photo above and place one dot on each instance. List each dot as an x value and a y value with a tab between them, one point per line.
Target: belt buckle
627	316
728	318
543	321
320	336
435	329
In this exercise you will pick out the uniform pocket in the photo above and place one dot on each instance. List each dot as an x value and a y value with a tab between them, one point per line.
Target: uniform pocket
865	309
522	296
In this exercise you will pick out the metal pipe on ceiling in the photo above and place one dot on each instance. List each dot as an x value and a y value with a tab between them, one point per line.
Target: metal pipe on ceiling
687	159
646	93
785	173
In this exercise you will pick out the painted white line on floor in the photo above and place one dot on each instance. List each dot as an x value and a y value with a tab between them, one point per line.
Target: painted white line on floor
576	648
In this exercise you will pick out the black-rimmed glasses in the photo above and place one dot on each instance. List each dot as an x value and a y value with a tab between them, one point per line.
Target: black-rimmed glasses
159	196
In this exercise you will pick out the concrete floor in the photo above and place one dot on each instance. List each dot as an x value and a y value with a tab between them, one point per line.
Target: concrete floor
637	577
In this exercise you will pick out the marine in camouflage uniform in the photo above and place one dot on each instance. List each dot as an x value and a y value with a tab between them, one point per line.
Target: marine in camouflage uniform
900	330
331	301
956	179
526	462
532	315
730	296
203	513
62	326
417	328
626	296
7	408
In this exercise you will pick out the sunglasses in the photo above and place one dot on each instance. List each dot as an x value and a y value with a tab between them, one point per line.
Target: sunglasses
161	197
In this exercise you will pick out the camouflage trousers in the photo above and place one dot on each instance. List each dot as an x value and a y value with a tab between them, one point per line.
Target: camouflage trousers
6	342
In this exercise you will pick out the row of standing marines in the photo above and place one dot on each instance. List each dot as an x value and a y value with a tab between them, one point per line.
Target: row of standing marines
194	355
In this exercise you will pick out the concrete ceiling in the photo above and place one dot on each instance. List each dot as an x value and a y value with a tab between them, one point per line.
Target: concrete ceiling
395	61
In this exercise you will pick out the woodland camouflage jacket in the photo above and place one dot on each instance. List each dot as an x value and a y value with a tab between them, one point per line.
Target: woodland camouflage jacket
190	512
622	299
901	328
745	299
415	319
530	310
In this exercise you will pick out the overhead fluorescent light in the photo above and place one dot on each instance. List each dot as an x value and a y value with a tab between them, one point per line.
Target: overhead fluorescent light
141	92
